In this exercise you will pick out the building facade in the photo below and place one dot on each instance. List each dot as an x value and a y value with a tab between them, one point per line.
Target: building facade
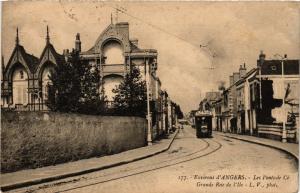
247	100
262	102
25	78
114	53
279	98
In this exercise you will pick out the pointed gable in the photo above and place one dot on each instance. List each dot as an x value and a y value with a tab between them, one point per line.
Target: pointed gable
118	32
49	54
19	55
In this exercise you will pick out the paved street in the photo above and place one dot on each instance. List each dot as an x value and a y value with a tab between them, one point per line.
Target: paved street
191	165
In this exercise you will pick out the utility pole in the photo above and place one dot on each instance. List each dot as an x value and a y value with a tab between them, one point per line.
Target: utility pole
261	61
284	114
283	102
149	118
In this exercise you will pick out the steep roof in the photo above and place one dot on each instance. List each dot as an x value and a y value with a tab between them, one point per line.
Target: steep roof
58	57
113	31
274	67
31	60
253	70
135	49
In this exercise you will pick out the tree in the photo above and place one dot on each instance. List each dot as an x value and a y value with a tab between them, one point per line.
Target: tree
75	87
178	111
64	92
91	101
130	98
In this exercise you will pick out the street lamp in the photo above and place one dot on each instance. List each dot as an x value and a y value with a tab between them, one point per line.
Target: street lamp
284	114
149	129
261	61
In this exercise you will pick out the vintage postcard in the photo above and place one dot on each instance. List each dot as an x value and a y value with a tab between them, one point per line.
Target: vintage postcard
150	96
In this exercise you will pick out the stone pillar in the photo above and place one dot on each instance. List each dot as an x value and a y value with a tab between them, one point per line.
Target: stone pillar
246	121
297	129
250	122
254	125
238	123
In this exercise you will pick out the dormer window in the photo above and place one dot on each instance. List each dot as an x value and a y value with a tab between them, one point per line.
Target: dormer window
21	74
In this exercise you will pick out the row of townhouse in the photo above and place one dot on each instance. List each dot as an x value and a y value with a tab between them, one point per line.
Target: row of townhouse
263	101
164	115
25	77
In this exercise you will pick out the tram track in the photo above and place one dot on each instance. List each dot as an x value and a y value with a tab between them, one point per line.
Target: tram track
136	170
187	159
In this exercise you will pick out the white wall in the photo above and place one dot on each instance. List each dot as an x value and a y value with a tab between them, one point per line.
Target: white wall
114	53
20	86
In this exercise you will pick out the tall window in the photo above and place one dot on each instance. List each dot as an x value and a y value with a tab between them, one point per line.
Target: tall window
21	74
113	53
46	81
20	85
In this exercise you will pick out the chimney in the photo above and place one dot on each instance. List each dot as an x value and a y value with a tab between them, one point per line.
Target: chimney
261	59
78	43
236	77
242	70
231	80
66	54
135	42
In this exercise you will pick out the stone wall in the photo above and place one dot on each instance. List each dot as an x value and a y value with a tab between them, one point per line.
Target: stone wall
37	139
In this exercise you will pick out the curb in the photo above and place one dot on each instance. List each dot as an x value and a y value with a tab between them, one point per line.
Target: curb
263	144
59	177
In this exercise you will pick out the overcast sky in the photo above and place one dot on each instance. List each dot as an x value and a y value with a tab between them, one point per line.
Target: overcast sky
235	32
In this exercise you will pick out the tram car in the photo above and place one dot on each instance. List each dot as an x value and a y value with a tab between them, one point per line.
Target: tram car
203	124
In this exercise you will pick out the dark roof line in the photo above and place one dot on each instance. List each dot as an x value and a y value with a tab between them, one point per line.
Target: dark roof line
246	76
31	60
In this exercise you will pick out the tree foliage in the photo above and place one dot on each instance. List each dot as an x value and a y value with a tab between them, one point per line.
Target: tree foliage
131	98
75	87
178	111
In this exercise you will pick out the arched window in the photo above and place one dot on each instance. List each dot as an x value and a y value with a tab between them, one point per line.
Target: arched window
21	74
46	80
19	85
113	52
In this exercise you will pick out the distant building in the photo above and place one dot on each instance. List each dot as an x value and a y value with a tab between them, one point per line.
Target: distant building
210	97
207	104
217	106
247	103
279	97
253	102
229	105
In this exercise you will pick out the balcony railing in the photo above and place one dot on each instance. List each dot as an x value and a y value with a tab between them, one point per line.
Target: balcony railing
113	68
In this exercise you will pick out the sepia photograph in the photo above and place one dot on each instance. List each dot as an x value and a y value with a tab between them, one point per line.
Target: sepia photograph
150	96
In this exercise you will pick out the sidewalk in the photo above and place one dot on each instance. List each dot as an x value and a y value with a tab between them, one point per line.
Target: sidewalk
29	177
290	148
